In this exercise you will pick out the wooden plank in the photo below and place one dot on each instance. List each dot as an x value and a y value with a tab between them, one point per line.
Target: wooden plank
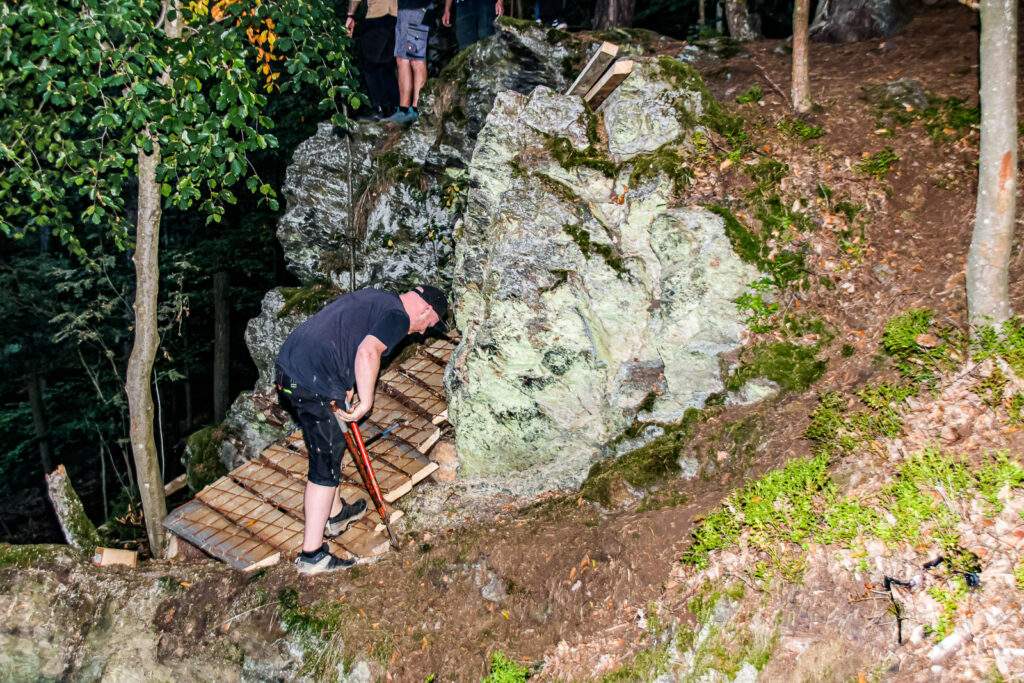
215	534
609	82
594	69
280	531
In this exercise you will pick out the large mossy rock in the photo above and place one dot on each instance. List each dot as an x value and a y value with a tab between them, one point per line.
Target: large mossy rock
401	218
520	56
577	299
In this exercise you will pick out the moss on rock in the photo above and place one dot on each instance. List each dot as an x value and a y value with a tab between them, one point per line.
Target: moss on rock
791	366
26	556
204	465
644	467
308	299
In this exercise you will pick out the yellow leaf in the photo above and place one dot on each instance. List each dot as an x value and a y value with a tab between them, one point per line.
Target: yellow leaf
504	613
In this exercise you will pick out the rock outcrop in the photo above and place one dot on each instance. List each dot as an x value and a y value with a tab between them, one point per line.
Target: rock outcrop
578	295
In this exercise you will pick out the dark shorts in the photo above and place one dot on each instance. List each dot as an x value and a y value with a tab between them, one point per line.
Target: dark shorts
320	429
411	34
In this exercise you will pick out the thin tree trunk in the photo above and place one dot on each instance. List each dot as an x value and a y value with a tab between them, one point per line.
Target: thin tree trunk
701	16
221	344
988	261
42	430
614	13
738	19
140	364
801	78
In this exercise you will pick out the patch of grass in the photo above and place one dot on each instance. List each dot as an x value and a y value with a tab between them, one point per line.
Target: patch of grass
767	174
791	366
611	257
918	349
795	128
949	598
504	670
878	164
753	94
317	628
646	665
1018	575
1005	342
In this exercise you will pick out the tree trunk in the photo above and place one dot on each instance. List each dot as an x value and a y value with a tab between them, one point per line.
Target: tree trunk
738	19
140	364
988	261
78	529
613	13
801	79
221	344
42	430
701	16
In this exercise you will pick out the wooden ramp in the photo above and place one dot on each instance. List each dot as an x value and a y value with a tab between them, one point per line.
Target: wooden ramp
253	516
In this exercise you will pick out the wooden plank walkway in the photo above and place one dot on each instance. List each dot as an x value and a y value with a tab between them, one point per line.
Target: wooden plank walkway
253	516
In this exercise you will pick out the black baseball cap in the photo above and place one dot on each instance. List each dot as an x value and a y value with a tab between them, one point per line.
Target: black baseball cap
438	301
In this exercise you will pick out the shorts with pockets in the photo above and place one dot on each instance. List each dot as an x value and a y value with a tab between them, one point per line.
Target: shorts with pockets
324	439
411	34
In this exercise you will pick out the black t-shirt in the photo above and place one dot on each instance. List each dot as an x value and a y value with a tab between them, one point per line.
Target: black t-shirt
414	4
319	355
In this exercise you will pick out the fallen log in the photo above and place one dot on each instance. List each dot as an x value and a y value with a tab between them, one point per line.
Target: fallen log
78	529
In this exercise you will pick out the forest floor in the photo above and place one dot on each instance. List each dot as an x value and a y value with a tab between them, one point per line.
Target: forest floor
571	589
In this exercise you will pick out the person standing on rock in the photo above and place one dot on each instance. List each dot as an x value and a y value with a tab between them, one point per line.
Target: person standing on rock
411	33
376	53
474	19
325	359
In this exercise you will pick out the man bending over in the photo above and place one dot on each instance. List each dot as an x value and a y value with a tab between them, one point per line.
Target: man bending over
324	359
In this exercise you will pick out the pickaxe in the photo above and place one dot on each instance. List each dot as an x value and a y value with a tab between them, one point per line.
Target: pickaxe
362	459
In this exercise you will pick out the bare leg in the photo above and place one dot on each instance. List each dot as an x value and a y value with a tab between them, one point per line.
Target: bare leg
318	504
405	98
419	77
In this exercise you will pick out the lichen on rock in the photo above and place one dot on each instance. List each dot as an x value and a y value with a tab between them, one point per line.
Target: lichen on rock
576	298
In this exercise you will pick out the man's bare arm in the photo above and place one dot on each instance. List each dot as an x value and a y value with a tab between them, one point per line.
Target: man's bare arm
367	365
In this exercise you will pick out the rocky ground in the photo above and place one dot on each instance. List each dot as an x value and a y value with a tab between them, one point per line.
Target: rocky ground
638	576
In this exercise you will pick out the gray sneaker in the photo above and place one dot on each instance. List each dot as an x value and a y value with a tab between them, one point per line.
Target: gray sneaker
322	561
340	523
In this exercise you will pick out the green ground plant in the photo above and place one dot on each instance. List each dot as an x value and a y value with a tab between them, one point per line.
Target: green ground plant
795	128
878	164
504	670
759	313
753	94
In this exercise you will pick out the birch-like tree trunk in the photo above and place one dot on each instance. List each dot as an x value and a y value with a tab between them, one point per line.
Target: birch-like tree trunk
738	19
140	363
801	91
988	261
138	379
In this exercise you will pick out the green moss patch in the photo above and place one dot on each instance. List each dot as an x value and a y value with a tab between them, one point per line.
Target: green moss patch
42	555
783	268
646	466
666	159
204	466
791	366
307	300
611	257
568	157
